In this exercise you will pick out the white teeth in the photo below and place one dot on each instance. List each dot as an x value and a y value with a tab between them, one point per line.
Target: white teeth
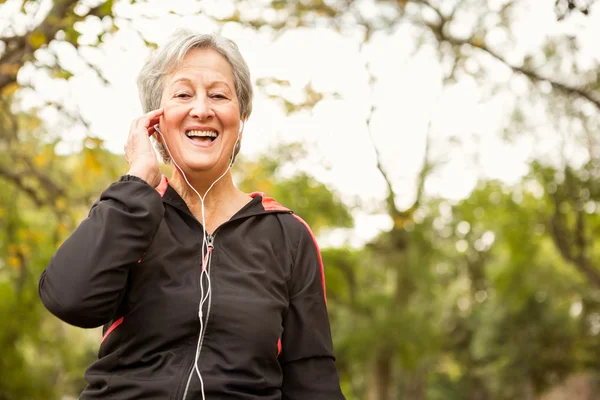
211	134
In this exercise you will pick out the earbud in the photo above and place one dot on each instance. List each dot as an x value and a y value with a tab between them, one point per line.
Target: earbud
156	129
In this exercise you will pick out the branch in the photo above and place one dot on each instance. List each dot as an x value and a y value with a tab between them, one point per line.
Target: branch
47	183
59	66
436	10
20	183
20	48
397	215
534	76
390	200
73	117
563	241
439	32
427	168
53	190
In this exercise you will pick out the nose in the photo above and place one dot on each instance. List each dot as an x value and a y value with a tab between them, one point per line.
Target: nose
201	108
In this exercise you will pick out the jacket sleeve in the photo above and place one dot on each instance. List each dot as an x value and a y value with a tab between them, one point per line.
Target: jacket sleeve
86	278
307	358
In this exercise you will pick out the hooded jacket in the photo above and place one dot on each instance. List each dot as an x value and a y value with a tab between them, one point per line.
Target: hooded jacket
134	267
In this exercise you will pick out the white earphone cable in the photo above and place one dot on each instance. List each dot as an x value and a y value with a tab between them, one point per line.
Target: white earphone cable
206	256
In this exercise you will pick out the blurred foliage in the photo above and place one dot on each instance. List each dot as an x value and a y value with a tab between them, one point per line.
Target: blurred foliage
307	197
496	296
43	197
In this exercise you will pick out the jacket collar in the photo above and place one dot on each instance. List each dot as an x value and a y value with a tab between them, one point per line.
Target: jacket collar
260	203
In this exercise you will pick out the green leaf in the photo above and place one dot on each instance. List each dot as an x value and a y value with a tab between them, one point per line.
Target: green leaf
61	73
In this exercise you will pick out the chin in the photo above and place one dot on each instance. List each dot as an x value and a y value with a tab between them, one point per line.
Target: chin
198	167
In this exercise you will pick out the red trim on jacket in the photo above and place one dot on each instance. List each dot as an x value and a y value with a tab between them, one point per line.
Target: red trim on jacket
318	253
278	347
162	186
112	328
268	203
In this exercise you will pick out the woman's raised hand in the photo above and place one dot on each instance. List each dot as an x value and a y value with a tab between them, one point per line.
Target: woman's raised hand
139	152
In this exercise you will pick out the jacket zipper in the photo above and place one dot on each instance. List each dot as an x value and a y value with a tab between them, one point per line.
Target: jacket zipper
210	244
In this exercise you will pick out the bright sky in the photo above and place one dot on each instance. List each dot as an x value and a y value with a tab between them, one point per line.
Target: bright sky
408	93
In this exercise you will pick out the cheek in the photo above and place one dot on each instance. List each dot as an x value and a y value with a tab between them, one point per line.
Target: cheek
174	114
231	119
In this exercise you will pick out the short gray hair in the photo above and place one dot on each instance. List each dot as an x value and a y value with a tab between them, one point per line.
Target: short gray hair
170	55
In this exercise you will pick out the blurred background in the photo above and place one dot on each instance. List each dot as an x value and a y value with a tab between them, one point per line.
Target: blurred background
446	153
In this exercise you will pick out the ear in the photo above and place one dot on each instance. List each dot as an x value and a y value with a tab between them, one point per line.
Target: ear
242	125
238	143
156	135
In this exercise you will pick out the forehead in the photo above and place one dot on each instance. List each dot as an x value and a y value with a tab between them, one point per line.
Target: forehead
206	63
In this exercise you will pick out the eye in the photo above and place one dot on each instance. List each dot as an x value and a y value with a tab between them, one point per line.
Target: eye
217	96
182	95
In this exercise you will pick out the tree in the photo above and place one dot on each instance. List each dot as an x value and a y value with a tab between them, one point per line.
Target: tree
565	93
491	297
36	214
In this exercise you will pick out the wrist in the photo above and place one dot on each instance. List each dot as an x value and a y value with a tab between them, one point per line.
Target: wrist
144	175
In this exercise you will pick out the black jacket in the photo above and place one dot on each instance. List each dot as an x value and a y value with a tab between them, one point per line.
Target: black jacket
134	266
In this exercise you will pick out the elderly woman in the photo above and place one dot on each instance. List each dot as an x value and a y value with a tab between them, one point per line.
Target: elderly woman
204	291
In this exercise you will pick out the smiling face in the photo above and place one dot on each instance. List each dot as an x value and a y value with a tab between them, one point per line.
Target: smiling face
201	113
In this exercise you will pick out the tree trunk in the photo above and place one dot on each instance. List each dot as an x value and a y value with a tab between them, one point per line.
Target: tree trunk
380	377
415	386
528	390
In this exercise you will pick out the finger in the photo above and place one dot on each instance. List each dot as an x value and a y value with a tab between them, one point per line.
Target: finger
151	130
143	122
154	121
154	115
147	119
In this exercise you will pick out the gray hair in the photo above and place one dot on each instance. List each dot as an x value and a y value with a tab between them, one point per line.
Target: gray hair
169	57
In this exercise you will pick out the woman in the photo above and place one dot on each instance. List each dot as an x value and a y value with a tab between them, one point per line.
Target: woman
233	311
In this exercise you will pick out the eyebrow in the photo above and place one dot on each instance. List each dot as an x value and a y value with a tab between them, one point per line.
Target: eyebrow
189	81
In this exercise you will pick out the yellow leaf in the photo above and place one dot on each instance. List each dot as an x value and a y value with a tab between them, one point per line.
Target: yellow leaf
25	250
10	89
39	160
399	221
14	262
92	164
36	237
477	41
61	204
37	39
